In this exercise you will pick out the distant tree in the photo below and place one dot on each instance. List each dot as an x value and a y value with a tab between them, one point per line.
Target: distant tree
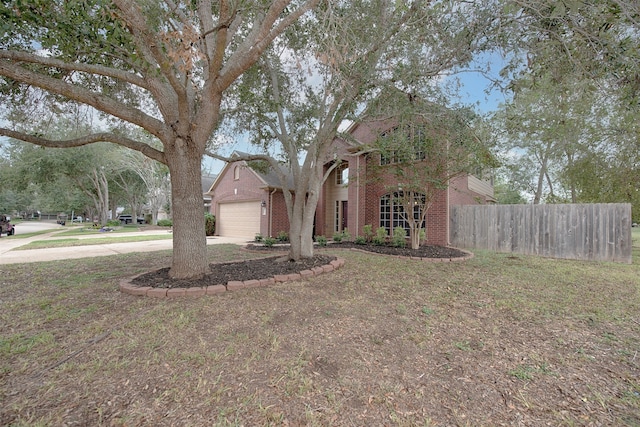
154	177
574	74
507	192
60	174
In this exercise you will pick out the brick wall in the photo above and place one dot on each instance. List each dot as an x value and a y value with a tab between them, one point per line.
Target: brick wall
437	220
279	217
459	193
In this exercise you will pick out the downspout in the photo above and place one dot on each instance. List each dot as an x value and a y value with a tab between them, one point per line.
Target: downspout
448	215
270	224
358	196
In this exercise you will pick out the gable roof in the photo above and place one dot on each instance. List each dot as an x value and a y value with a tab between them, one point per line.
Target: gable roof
268	177
207	182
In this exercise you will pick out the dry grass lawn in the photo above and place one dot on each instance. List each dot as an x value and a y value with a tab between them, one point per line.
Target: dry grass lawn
496	340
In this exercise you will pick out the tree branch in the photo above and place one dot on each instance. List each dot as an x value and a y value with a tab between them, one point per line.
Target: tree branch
143	148
74	66
85	96
149	43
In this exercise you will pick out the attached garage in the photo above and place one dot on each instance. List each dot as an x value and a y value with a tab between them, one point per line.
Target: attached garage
239	219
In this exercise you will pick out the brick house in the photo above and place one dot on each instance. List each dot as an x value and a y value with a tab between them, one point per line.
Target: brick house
248	201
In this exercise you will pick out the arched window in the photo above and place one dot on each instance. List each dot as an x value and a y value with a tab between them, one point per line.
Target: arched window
392	212
236	173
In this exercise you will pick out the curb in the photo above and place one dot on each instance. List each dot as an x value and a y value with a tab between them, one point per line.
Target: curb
127	287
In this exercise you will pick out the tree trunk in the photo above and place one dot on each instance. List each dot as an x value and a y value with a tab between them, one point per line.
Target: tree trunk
543	170
415	238
189	259
301	225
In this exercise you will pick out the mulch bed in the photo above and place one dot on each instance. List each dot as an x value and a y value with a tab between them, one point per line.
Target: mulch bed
242	270
424	251
262	268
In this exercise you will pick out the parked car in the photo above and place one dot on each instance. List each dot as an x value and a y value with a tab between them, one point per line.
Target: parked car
128	219
6	226
62	219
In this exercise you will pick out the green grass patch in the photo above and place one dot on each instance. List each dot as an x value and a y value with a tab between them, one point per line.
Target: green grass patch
59	243
22	343
84	231
29	235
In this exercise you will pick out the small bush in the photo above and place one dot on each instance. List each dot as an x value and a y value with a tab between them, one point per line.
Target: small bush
423	235
367	230
381	236
321	240
165	223
209	224
342	236
360	240
269	241
283	237
398	240
113	223
258	238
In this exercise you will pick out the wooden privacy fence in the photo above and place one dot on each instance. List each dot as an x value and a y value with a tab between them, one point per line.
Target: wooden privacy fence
597	232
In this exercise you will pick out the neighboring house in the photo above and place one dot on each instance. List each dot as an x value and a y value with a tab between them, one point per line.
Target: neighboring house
207	182
247	201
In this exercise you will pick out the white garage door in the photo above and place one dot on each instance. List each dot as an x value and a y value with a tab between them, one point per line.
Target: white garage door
241	219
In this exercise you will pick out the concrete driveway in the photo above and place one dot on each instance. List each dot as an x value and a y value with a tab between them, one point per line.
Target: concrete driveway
8	254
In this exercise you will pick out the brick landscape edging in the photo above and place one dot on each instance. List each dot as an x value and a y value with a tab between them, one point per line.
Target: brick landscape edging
127	287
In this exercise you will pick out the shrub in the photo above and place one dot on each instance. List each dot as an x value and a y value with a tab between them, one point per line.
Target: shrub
321	240
342	236
148	218
113	223
283	237
398	240
423	235
381	236
360	240
258	238
209	224
269	241
367	230
165	223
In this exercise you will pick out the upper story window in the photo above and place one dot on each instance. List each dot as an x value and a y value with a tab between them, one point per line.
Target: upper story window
342	174
403	144
236	173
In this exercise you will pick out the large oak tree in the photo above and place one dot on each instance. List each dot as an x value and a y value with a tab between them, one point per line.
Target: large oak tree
161	66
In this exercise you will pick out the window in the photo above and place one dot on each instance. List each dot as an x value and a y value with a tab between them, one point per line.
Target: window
392	212
403	144
236	173
342	174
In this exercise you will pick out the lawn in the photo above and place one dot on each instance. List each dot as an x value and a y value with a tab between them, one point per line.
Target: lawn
495	340
71	241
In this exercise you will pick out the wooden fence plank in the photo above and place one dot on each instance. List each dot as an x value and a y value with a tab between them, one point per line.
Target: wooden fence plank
599	232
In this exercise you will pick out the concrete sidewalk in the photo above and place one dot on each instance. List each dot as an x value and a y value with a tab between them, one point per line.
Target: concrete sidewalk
8	254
